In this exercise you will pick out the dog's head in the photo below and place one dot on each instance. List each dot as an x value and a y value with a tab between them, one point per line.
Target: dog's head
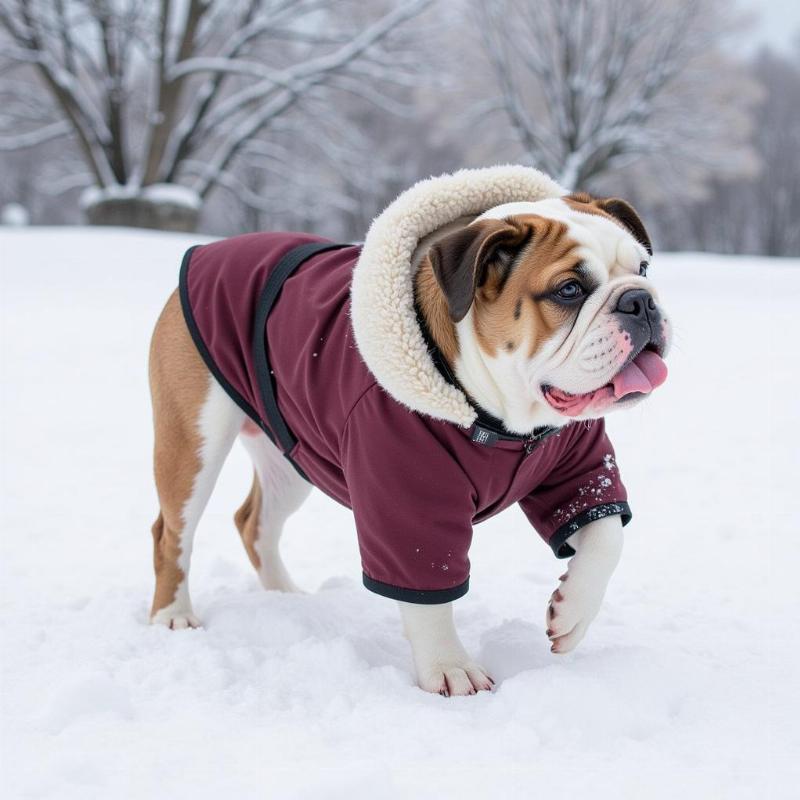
557	294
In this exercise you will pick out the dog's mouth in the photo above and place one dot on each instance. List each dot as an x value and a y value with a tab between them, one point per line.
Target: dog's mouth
638	377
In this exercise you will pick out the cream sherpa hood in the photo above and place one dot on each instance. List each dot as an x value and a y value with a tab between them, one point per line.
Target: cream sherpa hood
384	320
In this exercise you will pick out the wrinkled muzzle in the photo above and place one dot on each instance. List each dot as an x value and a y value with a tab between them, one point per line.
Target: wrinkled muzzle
631	345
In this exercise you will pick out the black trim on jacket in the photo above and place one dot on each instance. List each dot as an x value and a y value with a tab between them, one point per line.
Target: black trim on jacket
419	596
275	427
194	331
558	541
269	294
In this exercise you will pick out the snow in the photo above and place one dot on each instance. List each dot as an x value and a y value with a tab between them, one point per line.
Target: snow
685	686
158	193
14	215
173	194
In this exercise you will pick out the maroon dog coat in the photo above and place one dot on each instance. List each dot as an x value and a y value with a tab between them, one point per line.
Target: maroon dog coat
416	484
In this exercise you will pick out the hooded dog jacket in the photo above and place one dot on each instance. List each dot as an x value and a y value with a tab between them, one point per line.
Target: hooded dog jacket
368	418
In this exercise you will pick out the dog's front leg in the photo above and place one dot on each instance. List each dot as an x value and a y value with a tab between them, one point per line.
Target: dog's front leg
577	600
440	660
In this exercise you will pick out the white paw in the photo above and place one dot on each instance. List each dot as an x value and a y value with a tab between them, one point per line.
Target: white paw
571	609
456	679
175	619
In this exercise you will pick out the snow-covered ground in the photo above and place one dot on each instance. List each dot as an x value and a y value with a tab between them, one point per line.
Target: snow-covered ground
686	686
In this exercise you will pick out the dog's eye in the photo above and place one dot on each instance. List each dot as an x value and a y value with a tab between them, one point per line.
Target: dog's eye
643	265
570	291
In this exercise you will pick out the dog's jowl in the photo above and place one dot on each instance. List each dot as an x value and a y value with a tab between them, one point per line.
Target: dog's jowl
461	361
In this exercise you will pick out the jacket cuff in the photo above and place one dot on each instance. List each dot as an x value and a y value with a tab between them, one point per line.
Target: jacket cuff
421	596
558	541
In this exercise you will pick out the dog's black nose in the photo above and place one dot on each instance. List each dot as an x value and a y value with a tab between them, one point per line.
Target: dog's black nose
639	304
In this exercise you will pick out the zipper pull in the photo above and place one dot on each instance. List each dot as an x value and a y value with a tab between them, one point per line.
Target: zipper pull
532	442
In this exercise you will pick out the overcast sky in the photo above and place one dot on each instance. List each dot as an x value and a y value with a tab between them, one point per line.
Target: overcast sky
777	22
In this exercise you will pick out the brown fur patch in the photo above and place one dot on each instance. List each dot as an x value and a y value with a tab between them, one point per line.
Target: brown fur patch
515	313
505	309
246	520
179	382
434	308
586	204
618	211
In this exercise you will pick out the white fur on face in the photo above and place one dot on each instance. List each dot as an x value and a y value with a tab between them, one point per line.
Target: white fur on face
587	351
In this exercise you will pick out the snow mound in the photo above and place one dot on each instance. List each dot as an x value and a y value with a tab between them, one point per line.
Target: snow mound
14	215
685	686
157	193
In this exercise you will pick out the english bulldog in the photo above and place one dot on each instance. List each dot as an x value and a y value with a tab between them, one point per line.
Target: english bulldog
461	361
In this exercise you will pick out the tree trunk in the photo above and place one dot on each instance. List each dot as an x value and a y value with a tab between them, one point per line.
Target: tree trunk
139	212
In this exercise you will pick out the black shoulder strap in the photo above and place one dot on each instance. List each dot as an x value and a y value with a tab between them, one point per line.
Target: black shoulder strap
269	294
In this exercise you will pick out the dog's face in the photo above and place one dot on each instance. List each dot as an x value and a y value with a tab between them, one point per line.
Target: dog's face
557	293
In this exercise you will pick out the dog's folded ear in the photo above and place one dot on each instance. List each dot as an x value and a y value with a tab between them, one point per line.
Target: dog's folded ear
626	214
467	259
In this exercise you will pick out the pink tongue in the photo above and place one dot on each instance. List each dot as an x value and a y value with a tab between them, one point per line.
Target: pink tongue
646	372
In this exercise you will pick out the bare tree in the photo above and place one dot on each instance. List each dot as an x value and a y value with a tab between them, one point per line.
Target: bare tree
590	86
156	93
332	177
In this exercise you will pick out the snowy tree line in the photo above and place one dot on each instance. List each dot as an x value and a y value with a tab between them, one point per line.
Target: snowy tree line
237	115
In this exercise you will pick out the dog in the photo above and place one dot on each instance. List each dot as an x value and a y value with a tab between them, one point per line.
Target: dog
460	361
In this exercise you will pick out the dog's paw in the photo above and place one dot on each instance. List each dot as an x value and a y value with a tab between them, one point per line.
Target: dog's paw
175	619
571	609
452	680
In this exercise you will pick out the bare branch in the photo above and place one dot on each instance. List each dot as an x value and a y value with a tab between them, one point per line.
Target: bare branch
77	106
596	74
152	90
20	141
300	79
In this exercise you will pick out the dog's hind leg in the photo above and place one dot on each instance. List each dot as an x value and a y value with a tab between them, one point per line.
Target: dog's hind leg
196	424
277	492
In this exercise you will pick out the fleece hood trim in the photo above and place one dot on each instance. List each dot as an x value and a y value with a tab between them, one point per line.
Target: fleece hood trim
385	326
